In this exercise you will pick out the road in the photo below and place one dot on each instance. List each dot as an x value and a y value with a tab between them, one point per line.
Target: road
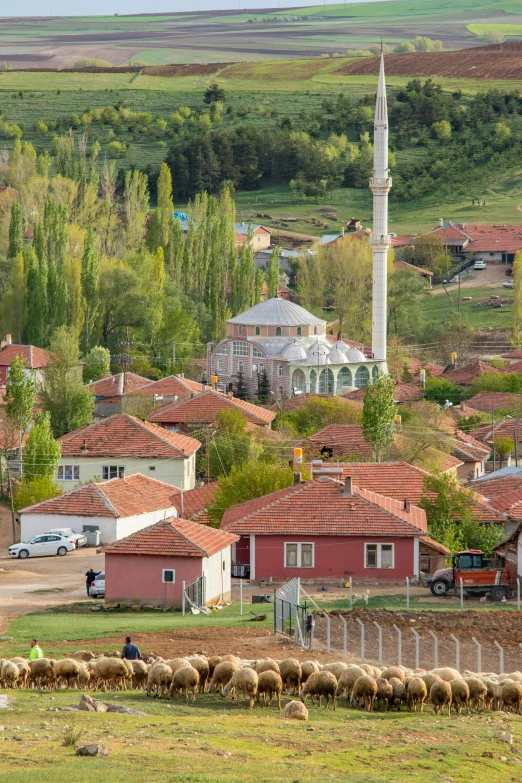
493	276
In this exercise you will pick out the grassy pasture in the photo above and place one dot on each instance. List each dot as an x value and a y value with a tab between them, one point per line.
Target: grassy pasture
439	308
505	29
403	9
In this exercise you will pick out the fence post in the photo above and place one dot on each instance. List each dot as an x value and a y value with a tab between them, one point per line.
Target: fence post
457	651
399	645
240	596
461	594
415	633
183	598
345	636
518	593
435	649
479	654
407	593
351	593
325	614
379	628
362	637
501	654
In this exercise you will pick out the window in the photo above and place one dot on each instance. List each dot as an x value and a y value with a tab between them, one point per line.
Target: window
280	371
112	471
240	330
258	331
278	331
299	381
470	561
240	367
239	349
299	331
168	576
344	377
362	378
299	555
375	373
152	467
315	329
223	350
326	381
257	354
313	381
379	555
220	365
68	473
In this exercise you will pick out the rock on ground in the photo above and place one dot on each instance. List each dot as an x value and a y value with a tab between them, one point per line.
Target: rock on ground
92	750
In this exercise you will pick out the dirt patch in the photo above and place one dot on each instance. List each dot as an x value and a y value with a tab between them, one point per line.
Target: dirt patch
499	61
194	69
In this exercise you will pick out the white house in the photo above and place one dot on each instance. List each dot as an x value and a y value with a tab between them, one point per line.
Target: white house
117	508
122	445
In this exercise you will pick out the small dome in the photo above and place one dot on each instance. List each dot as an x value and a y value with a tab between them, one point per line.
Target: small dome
318	354
355	355
340	346
294	353
337	357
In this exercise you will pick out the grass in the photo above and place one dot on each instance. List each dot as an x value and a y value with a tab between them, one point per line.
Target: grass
439	308
505	29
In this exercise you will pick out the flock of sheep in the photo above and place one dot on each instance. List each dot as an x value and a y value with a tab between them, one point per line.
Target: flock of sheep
364	686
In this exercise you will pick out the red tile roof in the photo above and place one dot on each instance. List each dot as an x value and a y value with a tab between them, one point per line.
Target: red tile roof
318	507
172	386
469	449
108	386
34	357
173	538
490	401
494	487
431	544
403	392
509	503
404	265
453	232
195	501
513	354
507	239
416	365
515	367
402	241
203	409
297	402
125	436
464	376
511	428
119	497
343	439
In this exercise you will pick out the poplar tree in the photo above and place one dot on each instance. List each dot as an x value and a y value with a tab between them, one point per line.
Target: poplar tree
42	452
516	313
90	277
136	199
174	252
35	301
18	296
258	285
378	417
16	230
20	395
272	277
165	201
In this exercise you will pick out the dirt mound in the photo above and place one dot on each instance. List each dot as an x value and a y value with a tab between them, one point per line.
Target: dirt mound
194	69
499	61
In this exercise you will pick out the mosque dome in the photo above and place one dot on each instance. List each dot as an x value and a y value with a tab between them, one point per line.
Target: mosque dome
294	353
355	355
276	312
318	354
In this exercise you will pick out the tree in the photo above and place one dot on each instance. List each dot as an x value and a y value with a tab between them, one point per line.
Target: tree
442	130
90	279
439	390
16	230
20	396
317	412
241	390
231	445
42	452
503	446
30	492
69	403
165	202
378	416
404	47
214	93
35	308
258	285
516	312
430	252
273	273
252	480
263	387
426	436
97	364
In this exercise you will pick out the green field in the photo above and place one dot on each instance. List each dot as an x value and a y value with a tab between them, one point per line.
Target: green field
508	30
439	308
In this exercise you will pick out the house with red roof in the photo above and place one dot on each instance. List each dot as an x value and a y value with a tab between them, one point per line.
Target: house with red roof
122	445
327	529
35	358
155	565
116	508
109	390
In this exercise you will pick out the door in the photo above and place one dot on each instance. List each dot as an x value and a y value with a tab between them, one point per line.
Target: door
53	543
39	546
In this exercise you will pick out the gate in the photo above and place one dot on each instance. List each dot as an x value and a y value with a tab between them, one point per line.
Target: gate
291	618
195	592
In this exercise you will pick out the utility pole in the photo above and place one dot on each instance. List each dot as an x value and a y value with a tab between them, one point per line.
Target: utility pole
9	479
173	358
493	433
208	435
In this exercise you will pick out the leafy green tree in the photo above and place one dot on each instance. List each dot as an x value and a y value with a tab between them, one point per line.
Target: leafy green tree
230	445
273	272
439	390
442	130
29	492
69	403
497	382
97	364
20	397
165	202
214	93
516	312
317	412
35	308
90	280
263	387
252	480
470	423
16	230
503	446
378	416
258	285
42	452
241	390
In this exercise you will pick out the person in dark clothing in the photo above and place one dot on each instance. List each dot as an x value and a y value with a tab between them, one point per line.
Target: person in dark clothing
130	651
90	576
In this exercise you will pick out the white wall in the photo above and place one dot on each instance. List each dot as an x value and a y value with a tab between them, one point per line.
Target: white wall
218	581
128	525
178	472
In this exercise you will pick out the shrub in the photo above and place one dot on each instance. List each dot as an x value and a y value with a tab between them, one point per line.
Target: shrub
92	62
117	149
40	128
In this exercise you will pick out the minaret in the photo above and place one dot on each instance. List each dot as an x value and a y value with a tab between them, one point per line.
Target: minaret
380	185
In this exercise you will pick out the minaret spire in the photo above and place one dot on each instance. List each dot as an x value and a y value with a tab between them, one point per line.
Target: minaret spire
380	185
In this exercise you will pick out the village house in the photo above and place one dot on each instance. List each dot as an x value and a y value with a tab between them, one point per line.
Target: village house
157	393
109	391
339	440
286	259
116	508
123	445
259	235
473	455
426	274
509	427
152	566
35	359
403	393
467	374
193	504
489	402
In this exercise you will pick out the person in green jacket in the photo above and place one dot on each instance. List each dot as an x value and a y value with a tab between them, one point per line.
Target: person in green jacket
36	652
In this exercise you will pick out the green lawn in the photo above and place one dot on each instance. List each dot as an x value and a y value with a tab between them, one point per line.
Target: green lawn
504	29
438	308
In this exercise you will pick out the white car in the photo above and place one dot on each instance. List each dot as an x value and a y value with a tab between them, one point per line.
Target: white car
509	284
80	539
98	586
480	265
39	546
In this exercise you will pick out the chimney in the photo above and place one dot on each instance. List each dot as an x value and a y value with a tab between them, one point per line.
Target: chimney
441	223
347	491
297	479
342	231
203	386
84	447
463	405
407	505
332	472
122	475
8	339
120	383
339	337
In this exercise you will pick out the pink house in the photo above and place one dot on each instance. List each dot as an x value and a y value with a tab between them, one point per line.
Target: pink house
150	566
327	529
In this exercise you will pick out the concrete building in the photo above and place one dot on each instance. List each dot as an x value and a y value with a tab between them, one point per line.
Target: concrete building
35	359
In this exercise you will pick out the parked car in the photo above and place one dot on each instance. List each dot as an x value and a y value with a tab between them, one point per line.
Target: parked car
98	586
42	545
480	265
509	284
80	539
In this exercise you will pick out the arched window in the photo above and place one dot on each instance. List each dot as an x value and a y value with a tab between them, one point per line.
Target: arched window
299	381
326	381
299	331
278	331
240	330
344	378
362	377
313	381
315	329
258	330
240	367
375	373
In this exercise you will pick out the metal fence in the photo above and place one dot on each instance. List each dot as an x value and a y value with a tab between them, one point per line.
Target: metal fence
193	594
291	617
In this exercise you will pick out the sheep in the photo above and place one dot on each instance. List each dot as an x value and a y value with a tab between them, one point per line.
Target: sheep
185	679
477	693
393	672
515	676
66	672
416	693
200	664
291	674
267	665
399	692
459	695
429	678
41	672
9	674
348	679
440	696
493	697
270	684
243	681
84	677
23	671
447	674
231	658
212	663
320	684
140	673
511	696
177	663
384	692
367	669
308	668
364	692
222	675
158	680
296	710
336	668
110	671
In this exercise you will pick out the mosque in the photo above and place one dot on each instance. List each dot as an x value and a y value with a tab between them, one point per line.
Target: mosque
290	344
